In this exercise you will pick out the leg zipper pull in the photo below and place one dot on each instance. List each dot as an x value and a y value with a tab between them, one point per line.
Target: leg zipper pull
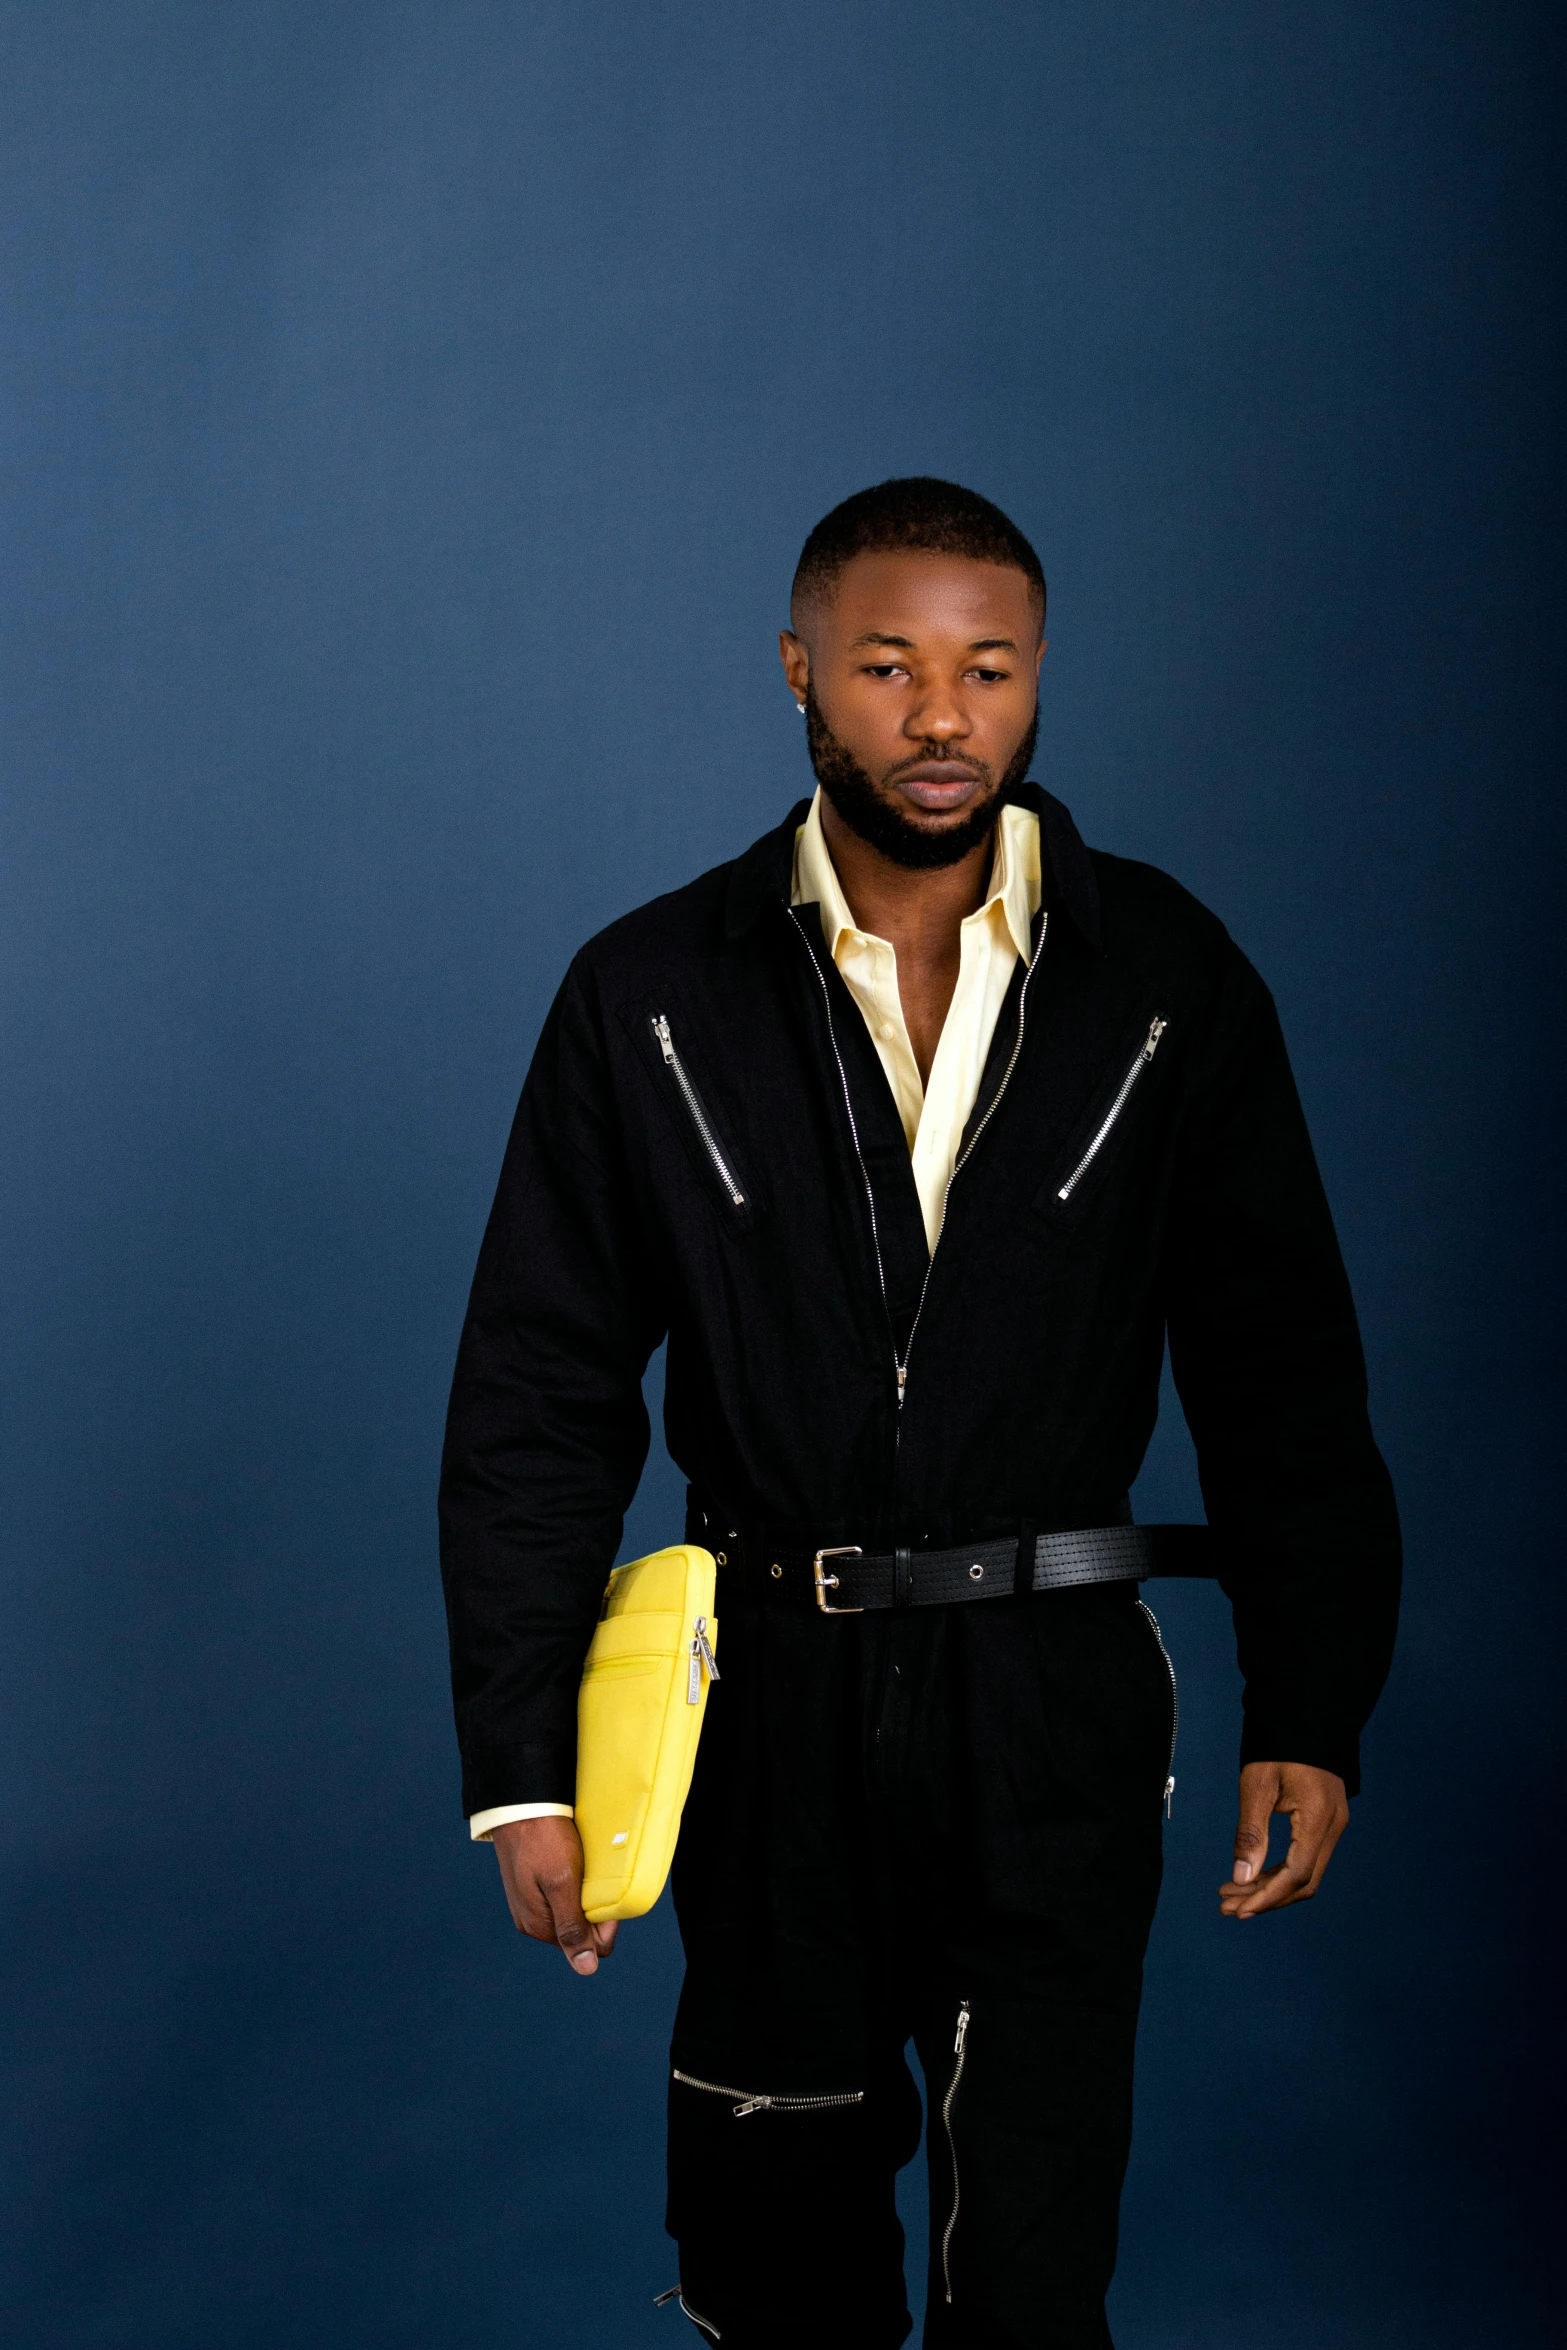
947	2104
1169	1798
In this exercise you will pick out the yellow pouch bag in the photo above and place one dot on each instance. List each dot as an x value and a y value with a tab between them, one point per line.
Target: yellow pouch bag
639	1716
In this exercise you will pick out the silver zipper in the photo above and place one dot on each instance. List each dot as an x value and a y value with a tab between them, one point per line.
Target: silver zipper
1175	1709
1145	1053
960	1163
755	2101
666	1045
848	1105
701	1654
901	1369
705	2323
960	2051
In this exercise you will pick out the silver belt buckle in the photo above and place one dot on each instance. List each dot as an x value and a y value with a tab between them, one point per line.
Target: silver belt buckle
825	1582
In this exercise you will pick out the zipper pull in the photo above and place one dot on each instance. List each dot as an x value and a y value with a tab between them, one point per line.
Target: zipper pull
701	1654
1156	1029
902	1370
666	1041
1169	1798
957	2045
752	2105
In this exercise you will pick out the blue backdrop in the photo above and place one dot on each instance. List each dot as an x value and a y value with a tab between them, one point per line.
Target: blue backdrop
411	416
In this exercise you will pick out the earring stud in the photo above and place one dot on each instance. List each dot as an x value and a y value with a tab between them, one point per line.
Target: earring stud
800	706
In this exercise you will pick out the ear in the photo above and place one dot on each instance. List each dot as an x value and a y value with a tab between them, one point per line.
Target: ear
796	661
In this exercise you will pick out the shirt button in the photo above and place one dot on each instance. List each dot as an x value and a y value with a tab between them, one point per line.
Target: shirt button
887	1030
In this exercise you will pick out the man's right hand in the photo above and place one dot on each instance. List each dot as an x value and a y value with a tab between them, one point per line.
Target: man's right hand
541	1869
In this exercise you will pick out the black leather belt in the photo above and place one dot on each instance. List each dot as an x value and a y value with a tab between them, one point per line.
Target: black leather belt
846	1581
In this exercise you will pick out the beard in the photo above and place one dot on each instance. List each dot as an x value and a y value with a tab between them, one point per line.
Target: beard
882	825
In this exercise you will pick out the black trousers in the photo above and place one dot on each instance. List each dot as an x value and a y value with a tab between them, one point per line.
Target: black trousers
940	1825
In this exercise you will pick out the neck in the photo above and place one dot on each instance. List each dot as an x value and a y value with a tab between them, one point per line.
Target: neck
918	909
920	913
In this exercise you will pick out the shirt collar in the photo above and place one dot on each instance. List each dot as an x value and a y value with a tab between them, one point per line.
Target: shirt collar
762	874
815	879
1014	878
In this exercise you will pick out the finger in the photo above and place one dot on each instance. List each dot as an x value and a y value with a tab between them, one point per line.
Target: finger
1316	1834
563	1891
530	1912
1259	1796
1274	1889
1316	1828
606	1930
1277	1887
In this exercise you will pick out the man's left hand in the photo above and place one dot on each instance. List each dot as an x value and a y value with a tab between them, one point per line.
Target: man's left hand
1318	1811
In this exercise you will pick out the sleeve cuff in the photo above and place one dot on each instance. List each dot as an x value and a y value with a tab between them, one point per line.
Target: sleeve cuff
480	1825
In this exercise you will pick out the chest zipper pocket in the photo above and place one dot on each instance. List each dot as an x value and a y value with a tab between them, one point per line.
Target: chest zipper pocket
702	1125
1107	1124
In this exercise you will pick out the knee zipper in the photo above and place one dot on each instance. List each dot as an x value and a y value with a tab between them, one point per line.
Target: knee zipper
760	2101
703	2325
1175	1709
959	2054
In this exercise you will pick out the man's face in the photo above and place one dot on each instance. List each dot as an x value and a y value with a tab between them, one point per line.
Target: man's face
920	681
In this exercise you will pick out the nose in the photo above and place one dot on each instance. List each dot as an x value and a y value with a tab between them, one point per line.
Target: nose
938	716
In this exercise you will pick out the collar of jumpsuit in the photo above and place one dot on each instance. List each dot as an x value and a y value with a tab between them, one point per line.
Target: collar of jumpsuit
991	940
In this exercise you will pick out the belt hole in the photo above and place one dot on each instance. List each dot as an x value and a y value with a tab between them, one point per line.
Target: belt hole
976	1573
777	1574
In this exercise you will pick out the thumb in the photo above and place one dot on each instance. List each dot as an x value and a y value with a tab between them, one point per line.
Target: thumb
1260	1789
576	1937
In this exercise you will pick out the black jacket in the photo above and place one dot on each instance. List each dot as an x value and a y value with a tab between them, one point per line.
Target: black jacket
753	1199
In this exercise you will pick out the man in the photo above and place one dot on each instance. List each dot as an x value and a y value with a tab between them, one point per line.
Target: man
915	1129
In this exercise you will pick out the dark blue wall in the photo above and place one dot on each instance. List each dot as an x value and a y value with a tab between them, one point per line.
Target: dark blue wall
411	414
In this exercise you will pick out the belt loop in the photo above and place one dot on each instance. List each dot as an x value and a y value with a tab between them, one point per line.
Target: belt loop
1023	1570
902	1578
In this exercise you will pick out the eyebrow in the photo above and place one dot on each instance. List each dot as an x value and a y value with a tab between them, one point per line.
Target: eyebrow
981	644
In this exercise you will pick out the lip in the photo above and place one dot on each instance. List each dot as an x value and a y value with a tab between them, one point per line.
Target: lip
939	785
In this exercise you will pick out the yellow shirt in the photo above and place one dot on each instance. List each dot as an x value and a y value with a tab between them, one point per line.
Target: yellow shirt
934	1116
990	942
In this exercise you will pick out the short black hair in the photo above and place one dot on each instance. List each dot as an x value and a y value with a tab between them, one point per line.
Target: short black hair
918	512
